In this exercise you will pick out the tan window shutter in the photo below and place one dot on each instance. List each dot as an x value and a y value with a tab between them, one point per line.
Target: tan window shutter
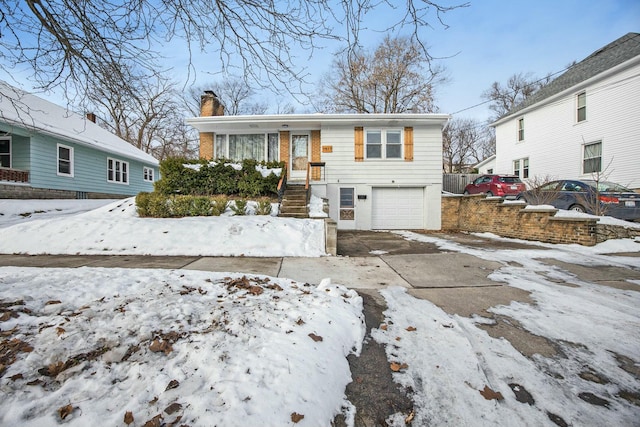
408	144
359	143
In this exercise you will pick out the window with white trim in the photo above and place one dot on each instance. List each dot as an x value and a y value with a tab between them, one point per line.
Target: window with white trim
581	111
257	146
516	167
383	143
347	204
521	129
65	160
117	171
147	174
592	157
5	152
525	168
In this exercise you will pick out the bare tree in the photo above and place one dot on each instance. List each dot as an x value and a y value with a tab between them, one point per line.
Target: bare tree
396	77
517	88
72	42
150	117
463	144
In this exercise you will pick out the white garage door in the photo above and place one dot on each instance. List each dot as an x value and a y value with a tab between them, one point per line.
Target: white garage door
397	208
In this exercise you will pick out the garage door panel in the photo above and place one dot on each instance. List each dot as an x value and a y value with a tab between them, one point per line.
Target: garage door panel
397	208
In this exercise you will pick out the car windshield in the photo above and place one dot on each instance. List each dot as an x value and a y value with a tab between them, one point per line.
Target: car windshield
509	179
609	187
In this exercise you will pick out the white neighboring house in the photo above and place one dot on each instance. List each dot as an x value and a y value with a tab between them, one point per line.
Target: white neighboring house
379	171
487	166
583	125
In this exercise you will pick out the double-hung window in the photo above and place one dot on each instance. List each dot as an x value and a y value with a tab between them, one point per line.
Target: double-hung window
521	129
581	113
65	160
117	171
592	158
383	143
516	167
147	174
525	168
5	152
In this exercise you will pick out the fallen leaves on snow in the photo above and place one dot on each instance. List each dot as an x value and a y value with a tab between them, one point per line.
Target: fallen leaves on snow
315	337
489	394
296	418
397	367
65	411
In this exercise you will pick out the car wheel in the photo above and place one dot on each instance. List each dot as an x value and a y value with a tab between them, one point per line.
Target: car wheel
489	194
577	208
465	192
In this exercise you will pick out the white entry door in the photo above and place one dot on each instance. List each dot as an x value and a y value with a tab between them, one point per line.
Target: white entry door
299	156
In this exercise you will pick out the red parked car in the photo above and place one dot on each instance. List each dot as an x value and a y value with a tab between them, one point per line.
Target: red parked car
508	186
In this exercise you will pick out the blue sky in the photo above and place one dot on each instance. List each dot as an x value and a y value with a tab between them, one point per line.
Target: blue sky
497	38
488	41
493	39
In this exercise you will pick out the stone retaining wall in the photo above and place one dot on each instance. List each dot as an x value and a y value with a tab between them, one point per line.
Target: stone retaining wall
18	191
478	213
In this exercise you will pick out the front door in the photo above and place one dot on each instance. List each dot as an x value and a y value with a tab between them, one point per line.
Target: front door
299	156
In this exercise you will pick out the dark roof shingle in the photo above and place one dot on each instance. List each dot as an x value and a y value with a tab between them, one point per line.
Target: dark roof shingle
615	53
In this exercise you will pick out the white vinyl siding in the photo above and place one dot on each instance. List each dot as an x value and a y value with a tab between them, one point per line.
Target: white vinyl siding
555	143
425	170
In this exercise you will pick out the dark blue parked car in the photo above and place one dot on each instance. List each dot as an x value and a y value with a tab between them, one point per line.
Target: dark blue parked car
593	197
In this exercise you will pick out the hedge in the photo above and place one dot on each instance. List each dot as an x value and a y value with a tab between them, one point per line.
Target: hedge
205	178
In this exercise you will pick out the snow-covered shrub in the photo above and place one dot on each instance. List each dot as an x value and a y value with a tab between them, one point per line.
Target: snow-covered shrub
239	207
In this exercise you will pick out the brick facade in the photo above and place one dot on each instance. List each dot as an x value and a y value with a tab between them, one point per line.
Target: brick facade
480	214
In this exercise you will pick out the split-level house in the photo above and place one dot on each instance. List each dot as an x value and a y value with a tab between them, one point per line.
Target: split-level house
584	124
47	151
377	171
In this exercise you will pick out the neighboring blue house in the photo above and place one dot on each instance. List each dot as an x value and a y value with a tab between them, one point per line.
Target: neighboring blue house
49	152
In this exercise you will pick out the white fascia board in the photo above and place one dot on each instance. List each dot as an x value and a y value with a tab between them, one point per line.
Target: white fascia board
310	121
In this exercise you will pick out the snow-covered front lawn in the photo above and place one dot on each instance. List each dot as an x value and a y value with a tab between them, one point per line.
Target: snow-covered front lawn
115	229
102	346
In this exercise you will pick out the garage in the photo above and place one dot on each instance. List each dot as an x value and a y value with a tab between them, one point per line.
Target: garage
397	208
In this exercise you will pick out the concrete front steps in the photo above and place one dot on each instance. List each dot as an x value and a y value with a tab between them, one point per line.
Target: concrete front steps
294	202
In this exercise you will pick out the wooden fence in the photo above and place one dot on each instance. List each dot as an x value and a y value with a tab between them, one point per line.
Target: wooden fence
455	182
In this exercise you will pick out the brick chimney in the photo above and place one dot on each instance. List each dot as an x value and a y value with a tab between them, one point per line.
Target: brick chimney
91	117
209	106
